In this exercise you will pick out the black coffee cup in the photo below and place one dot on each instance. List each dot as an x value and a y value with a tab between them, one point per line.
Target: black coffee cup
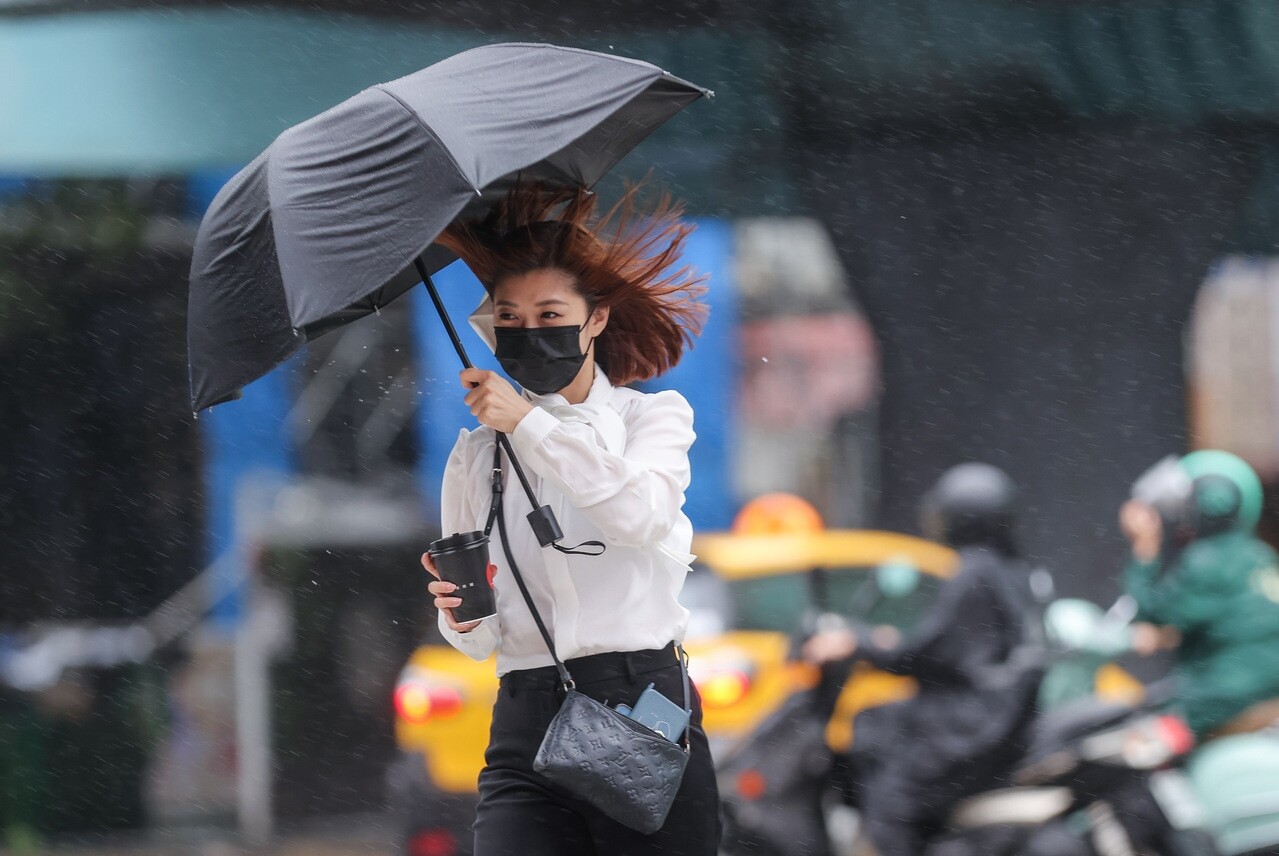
463	560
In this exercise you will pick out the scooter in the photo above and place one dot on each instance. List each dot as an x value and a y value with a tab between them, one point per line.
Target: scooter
778	797
1230	785
1099	780
1094	781
784	791
1235	780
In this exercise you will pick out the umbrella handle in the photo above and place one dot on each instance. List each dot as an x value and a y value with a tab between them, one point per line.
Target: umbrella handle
542	519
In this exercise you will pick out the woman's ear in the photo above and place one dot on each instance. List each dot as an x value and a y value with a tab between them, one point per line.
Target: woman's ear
597	322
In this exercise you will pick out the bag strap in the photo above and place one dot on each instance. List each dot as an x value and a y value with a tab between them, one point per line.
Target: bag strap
566	679
495	513
542	520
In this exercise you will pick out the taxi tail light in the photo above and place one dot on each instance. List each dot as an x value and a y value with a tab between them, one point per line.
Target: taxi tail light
417	703
723	688
432	842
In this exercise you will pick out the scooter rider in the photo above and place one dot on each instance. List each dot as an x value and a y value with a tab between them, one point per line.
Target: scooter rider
1205	586
912	761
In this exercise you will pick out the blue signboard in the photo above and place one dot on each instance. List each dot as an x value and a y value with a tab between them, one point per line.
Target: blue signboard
244	440
707	377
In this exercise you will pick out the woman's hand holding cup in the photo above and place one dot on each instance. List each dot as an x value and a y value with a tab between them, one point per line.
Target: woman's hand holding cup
443	602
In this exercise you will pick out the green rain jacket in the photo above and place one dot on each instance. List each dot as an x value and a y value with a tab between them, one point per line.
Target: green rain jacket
1222	593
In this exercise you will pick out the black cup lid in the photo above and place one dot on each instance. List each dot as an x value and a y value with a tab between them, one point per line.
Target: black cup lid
458	541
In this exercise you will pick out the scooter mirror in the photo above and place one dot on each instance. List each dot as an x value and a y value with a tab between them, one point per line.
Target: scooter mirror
897	577
1072	622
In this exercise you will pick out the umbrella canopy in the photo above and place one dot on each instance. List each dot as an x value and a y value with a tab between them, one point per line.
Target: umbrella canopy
325	225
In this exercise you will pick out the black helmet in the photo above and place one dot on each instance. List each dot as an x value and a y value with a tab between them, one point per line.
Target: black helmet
971	505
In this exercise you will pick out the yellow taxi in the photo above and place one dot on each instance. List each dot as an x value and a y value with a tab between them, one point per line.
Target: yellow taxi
751	595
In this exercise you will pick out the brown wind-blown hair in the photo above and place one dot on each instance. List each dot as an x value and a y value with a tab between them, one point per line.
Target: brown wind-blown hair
624	259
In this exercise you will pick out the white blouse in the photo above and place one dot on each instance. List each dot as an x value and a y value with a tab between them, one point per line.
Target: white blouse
613	469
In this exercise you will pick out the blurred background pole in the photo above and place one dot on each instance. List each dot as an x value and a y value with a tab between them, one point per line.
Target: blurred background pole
253	720
257	637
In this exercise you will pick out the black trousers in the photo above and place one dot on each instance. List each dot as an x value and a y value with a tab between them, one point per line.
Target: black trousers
520	813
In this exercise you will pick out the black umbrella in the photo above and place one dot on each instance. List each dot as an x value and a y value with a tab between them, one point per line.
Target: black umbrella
337	217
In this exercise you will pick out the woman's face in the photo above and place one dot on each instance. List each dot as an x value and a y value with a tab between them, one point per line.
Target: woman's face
545	298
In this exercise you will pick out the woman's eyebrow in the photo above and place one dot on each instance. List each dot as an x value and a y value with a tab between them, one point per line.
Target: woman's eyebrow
547	302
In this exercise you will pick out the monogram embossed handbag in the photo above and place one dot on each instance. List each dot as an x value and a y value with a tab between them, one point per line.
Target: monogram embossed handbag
624	769
617	765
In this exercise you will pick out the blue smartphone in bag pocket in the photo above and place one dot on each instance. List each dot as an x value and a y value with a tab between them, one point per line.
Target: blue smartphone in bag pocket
654	710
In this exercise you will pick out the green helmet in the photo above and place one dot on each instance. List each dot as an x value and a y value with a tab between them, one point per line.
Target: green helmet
1226	491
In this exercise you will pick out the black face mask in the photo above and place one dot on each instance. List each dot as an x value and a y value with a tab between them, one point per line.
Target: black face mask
540	359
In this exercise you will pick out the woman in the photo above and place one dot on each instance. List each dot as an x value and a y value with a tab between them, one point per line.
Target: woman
573	316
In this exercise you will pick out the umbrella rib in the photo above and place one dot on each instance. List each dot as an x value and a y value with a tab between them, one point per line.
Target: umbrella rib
434	136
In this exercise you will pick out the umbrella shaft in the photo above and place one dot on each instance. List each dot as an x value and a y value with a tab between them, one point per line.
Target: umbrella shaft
444	316
466	363
519	471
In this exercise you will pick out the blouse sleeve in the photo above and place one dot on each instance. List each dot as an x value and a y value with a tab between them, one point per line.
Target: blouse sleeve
635	498
457	513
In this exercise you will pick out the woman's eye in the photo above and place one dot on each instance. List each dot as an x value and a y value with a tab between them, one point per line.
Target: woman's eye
506	316
550	314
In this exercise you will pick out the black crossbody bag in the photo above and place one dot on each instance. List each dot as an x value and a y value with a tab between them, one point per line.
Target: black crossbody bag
624	769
